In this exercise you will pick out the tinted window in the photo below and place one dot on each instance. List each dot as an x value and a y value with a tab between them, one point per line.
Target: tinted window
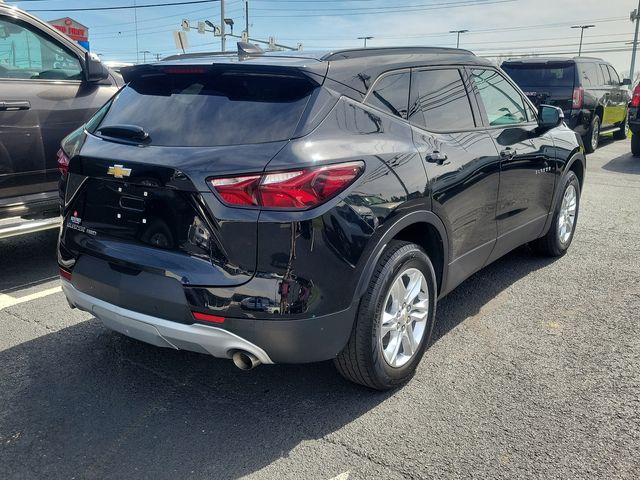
552	74
211	109
439	101
27	54
615	79
605	72
502	102
391	94
590	74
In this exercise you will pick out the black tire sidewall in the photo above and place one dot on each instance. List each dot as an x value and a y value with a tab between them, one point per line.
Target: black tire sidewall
635	144
410	256
591	148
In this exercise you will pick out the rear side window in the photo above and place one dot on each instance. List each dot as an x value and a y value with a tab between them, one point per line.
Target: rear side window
439	101
590	74
391	94
605	72
615	79
503	104
211	109
552	74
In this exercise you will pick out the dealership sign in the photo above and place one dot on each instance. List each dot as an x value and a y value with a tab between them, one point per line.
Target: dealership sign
73	29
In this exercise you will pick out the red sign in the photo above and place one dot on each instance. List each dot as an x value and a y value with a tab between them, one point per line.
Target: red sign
71	28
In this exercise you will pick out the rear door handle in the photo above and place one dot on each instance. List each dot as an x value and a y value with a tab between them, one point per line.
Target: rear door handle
436	157
10	106
508	154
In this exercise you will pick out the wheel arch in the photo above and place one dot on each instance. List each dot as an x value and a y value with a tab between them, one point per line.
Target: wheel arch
423	228
599	111
577	164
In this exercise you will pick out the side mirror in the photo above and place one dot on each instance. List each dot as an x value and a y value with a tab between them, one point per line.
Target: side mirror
94	70
549	117
626	82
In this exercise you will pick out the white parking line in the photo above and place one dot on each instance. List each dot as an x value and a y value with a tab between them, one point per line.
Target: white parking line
9	301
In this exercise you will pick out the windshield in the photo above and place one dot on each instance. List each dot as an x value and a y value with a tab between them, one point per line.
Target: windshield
542	75
212	109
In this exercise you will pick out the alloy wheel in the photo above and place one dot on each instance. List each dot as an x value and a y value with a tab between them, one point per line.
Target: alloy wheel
567	215
595	135
404	318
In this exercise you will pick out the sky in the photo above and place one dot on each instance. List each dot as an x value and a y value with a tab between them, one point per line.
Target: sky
497	28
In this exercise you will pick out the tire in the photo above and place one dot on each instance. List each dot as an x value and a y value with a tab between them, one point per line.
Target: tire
556	242
368	357
635	144
623	132
592	138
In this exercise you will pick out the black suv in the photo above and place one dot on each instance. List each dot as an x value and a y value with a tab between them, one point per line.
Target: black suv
278	208
588	90
50	86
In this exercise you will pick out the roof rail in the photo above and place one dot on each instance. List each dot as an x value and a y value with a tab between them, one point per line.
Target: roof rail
375	52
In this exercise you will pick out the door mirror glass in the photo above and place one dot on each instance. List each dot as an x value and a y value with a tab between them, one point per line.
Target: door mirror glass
549	117
626	82
94	70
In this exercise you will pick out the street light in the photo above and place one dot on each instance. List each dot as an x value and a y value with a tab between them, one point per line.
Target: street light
365	40
582	29
144	53
229	21
459	32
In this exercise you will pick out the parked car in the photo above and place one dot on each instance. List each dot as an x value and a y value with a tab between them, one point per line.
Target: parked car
634	121
588	90
50	86
209	182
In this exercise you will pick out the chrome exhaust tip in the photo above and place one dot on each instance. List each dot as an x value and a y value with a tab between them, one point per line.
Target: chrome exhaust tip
245	360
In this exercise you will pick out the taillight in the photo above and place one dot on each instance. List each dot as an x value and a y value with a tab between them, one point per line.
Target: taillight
66	274
295	189
578	97
635	101
205	317
63	162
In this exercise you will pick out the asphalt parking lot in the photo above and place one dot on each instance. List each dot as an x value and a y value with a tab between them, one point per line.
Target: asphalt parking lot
534	373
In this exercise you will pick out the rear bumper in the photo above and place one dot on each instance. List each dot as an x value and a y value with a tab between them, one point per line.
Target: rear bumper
271	341
163	333
578	121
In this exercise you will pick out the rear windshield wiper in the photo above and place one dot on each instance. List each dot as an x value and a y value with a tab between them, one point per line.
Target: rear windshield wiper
129	133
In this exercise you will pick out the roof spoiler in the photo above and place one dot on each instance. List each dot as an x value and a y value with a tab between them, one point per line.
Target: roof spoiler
246	49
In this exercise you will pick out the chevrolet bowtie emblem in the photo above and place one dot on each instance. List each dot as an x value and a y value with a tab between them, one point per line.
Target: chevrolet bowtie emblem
119	171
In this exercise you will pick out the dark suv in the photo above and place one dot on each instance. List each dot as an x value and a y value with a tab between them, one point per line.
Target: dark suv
49	86
588	90
278	208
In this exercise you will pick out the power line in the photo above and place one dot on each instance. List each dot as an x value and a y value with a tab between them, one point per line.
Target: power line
122	7
467	3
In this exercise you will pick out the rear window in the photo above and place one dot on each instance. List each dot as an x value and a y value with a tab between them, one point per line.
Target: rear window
542	75
212	109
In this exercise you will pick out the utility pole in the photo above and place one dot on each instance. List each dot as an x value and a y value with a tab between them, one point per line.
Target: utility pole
144	53
459	32
582	29
635	17
365	40
246	17
135	19
223	38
